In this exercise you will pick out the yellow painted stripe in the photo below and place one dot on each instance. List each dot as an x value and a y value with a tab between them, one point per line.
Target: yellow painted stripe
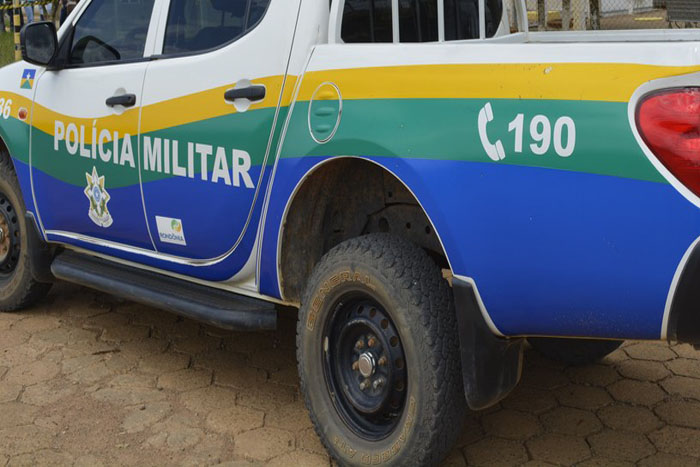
167	114
562	81
202	106
559	81
18	102
44	120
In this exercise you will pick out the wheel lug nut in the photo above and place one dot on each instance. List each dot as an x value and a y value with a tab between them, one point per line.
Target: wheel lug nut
360	344
371	342
382	361
364	385
355	366
379	382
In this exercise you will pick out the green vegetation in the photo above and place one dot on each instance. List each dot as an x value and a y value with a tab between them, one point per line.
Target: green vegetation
7	48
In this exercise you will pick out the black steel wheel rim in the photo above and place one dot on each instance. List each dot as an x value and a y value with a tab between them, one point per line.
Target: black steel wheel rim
9	237
365	366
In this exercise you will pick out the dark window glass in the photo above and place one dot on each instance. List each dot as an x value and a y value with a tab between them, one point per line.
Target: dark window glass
367	21
111	30
257	10
195	25
418	20
462	18
370	20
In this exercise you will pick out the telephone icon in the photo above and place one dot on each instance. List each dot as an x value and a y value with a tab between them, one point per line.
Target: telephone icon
495	151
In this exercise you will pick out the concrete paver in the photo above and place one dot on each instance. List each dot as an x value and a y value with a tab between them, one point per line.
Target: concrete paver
623	417
559	449
90	379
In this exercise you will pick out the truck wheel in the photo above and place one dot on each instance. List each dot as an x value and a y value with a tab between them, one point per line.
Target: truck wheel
574	351
18	289
378	354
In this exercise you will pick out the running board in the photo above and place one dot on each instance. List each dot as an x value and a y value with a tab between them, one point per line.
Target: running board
219	308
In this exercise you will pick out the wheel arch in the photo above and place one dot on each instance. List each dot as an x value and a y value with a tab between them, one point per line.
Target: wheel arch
20	167
321	213
5	149
308	229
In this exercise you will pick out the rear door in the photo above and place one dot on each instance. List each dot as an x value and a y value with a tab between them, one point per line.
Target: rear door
84	137
210	103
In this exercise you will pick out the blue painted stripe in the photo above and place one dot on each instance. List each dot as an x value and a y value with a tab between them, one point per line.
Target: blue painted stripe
213	214
552	252
213	217
25	184
65	207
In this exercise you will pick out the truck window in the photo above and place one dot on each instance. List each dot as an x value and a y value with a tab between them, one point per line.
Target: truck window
370	20
367	21
462	18
111	30
197	25
418	21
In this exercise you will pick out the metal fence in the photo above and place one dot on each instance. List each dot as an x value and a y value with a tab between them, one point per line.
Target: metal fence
612	14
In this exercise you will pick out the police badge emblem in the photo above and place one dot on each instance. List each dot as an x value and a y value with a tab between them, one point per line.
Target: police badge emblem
98	196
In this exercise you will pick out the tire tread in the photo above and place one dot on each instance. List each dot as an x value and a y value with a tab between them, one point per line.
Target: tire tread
421	284
28	291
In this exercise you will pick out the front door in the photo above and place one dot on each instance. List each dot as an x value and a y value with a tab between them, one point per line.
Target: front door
84	137
210	103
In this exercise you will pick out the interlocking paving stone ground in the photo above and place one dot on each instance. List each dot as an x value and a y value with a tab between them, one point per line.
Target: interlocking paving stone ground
89	379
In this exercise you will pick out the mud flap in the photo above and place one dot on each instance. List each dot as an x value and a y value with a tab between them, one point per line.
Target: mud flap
684	318
491	365
39	252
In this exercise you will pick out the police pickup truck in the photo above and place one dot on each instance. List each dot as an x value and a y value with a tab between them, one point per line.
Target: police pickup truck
427	181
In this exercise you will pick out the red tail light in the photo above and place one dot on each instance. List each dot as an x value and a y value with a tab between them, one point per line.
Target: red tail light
669	123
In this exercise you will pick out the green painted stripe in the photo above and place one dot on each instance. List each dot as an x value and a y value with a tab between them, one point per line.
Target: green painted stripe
246	131
446	129
15	133
441	129
71	168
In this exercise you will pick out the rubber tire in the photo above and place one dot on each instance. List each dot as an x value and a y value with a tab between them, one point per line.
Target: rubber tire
410	287
19	290
574	351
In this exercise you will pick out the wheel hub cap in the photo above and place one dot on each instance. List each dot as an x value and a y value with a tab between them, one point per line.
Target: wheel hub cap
366	364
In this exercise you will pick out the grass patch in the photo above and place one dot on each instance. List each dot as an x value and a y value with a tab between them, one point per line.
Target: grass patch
7	48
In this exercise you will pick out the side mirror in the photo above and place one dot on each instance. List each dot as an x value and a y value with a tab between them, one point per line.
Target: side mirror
39	42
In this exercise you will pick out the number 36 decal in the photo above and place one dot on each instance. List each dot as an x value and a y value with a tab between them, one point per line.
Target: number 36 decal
563	136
